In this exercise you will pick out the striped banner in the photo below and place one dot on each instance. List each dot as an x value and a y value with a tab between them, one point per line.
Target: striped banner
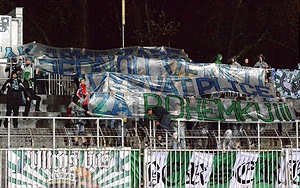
116	167
88	168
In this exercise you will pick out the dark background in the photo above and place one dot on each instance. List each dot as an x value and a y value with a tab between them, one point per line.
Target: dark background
203	28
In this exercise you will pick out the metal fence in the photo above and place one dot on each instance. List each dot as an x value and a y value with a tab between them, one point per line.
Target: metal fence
59	132
134	154
127	167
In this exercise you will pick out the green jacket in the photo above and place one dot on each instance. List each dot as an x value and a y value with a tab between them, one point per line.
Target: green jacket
218	60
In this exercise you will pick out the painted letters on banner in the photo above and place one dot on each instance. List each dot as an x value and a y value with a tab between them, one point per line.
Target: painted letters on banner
132	95
151	61
44	168
244	170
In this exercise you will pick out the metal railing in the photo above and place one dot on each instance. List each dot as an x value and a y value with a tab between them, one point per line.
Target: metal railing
58	132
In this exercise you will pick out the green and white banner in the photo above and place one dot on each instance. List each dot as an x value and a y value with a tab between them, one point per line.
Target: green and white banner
90	168
222	169
131	95
288	83
127	168
289	172
244	169
199	170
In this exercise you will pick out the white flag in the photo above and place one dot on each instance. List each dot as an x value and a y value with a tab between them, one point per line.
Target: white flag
199	170
156	161
244	170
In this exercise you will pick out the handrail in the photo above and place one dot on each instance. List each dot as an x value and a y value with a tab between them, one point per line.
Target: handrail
101	132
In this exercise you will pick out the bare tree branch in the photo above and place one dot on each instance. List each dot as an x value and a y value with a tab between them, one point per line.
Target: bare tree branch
254	43
281	44
42	32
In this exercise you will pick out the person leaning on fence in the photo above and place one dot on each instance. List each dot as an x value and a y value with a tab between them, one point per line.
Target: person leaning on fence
14	88
163	120
262	64
76	110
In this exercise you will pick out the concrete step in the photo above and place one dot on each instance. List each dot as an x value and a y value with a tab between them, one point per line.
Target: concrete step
49	103
51	106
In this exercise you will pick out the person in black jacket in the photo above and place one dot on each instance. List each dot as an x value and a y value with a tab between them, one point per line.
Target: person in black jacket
163	117
28	84
14	88
163	121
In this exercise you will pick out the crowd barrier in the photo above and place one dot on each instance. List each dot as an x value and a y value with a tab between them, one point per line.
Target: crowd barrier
133	155
127	167
111	131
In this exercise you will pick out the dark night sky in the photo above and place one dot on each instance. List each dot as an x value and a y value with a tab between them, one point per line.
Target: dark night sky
202	28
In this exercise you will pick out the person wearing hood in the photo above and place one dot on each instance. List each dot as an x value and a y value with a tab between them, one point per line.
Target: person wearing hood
27	67
14	87
261	62
219	59
28	84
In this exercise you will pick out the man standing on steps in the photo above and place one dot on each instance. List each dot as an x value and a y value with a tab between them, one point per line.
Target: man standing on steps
28	84
14	88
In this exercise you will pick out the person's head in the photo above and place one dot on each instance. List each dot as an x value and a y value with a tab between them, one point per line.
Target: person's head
27	75
28	61
233	59
246	61
261	58
277	94
82	81
149	112
14	74
177	106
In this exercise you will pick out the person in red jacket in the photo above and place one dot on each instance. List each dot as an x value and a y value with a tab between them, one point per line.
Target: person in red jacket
83	94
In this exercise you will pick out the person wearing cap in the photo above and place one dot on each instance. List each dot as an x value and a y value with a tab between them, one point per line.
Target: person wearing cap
14	87
28	84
